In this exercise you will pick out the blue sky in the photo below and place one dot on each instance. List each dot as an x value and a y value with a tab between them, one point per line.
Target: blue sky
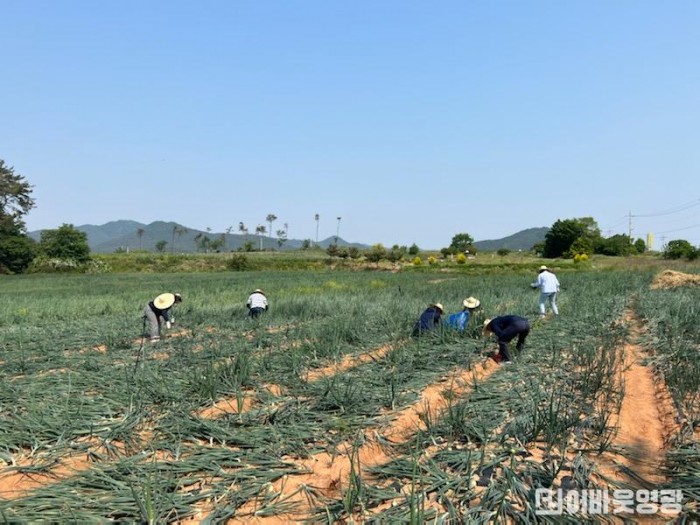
410	120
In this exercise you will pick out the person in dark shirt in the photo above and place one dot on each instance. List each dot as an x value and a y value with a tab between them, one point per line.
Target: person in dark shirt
505	328
159	308
428	320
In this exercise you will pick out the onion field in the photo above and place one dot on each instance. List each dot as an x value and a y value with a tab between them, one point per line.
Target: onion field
326	410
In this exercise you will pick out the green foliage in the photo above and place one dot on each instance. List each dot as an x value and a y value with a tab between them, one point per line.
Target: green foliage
354	252
160	246
640	246
580	245
15	200
238	263
564	233
332	250
376	253
461	258
462	242
617	245
396	253
680	249
417	261
65	243
413	249
16	253
503	252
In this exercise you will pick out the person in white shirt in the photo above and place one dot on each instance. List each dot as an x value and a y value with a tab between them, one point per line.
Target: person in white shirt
256	303
548	284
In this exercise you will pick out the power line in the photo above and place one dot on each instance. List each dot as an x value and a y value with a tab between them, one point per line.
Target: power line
677	209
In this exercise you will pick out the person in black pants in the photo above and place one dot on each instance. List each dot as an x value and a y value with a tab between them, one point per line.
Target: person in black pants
505	328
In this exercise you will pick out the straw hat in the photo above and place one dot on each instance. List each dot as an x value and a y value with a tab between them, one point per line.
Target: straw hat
485	330
471	302
258	290
438	306
165	300
543	267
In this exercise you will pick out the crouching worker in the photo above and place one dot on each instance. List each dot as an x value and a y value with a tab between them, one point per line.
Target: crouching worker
459	320
256	303
428	320
505	328
159	309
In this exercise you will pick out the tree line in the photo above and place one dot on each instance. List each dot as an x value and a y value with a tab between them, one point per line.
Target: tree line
568	238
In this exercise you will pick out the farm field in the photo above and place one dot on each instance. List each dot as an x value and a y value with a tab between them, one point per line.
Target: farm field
326	410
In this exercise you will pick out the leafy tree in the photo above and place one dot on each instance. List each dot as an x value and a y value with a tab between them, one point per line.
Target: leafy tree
640	245
563	233
160	246
396	253
332	250
65	243
376	253
281	237
16	253
679	249
617	245
354	252
306	244
461	243
260	230
16	249
15	200
139	234
414	250
271	217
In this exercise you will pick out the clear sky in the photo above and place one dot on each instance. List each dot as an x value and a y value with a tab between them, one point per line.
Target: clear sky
410	120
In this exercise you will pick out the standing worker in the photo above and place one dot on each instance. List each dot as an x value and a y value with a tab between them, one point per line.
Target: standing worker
505	328
459	320
159	308
548	284
428	320
256	303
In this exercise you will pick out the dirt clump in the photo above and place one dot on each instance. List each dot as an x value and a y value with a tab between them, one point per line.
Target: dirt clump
673	279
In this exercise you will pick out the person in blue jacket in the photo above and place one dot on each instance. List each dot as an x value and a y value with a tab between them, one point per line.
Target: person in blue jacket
459	320
429	319
506	328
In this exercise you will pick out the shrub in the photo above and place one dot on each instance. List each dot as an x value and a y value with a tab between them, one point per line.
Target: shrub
432	260
238	263
461	258
417	261
580	257
503	252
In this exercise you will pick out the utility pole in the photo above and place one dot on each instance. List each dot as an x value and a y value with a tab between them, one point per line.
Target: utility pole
630	234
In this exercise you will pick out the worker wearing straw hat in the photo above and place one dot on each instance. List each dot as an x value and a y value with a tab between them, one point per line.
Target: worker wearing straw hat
159	308
506	328
429	319
256	303
548	284
459	320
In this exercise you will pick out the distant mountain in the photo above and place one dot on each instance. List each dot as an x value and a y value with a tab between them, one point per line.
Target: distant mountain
523	240
124	235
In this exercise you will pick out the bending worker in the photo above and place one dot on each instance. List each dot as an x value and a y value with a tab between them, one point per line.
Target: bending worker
505	328
428	320
256	303
159	308
459	320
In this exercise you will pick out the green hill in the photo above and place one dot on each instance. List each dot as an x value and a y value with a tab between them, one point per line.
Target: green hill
124	235
523	240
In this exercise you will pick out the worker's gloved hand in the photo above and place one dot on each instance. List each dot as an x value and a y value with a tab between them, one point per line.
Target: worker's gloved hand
167	324
172	320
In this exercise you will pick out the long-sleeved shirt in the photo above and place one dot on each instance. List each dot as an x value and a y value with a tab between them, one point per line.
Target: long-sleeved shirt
458	320
428	320
547	282
257	300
